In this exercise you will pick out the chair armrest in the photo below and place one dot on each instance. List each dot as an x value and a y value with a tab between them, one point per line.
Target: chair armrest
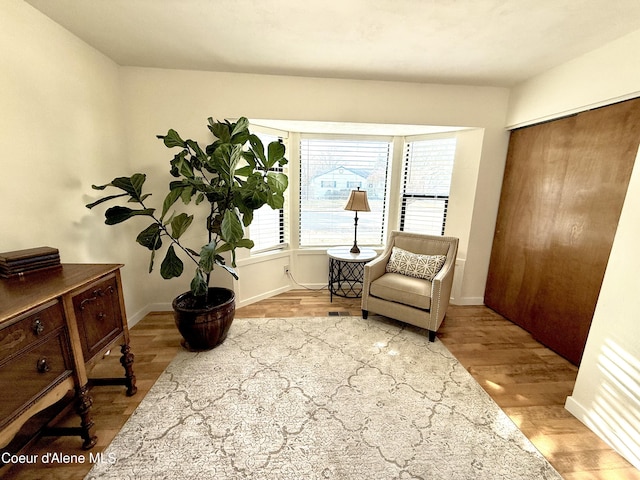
374	270
441	287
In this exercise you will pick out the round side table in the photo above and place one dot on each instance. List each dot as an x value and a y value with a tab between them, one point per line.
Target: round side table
346	271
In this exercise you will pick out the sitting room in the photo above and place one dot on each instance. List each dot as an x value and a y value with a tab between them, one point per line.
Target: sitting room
422	218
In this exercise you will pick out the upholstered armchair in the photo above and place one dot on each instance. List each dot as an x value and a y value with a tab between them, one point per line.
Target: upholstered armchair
412	280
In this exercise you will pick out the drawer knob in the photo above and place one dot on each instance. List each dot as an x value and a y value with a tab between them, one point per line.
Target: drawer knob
42	366
101	316
38	326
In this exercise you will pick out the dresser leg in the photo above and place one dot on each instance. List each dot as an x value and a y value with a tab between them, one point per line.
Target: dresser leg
127	362
83	406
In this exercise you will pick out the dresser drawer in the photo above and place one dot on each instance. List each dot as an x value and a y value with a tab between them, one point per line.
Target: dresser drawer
97	311
28	375
30	327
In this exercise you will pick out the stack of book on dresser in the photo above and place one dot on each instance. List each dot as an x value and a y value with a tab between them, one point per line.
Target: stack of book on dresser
20	262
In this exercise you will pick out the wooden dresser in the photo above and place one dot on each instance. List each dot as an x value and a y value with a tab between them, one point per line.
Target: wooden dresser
54	325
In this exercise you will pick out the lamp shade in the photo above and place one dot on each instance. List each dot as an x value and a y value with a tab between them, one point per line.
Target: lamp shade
358	201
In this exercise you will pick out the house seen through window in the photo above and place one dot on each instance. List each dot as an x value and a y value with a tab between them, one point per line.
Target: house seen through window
329	170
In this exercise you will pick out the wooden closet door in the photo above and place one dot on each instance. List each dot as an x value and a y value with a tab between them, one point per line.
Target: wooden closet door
563	190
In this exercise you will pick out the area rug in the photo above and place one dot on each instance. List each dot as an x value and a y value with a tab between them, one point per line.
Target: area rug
320	398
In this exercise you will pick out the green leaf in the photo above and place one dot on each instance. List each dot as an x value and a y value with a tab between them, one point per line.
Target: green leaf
208	257
180	165
171	266
226	159
150	237
179	224
247	217
258	148
246	170
171	198
225	247
240	127
245	243
186	195
276	201
132	185
118	214
231	227
220	130
199	285
110	197
278	182
198	153
172	139
254	196
275	153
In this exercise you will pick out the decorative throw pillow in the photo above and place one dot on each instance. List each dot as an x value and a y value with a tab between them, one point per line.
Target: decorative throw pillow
414	265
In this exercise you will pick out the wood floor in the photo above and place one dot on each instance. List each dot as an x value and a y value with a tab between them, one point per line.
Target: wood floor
527	380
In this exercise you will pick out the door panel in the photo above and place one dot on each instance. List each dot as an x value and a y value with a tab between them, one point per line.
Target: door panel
563	190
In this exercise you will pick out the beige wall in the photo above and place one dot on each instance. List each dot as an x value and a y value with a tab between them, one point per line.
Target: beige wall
184	99
60	130
605	396
606	75
71	117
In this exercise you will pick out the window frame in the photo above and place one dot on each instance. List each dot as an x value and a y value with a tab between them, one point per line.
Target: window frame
384	212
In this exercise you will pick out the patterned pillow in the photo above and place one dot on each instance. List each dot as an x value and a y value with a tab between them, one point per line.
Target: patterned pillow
414	265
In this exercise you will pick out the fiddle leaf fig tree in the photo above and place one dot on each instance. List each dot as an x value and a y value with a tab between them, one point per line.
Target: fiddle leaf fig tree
230	178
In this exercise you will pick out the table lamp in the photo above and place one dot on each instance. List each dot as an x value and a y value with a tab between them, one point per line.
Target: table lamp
357	203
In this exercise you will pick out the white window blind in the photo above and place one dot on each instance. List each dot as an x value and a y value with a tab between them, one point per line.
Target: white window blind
329	170
428	165
268	229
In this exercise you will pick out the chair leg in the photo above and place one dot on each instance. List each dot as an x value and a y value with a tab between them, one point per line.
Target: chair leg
365	314
432	336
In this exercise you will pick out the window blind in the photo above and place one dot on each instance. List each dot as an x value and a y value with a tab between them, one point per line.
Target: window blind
329	170
428	166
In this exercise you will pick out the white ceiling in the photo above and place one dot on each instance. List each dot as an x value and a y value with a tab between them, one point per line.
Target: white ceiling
472	42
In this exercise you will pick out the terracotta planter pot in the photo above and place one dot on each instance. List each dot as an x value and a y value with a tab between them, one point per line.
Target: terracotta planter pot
204	327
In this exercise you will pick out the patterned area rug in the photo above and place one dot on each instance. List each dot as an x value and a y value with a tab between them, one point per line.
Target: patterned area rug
320	398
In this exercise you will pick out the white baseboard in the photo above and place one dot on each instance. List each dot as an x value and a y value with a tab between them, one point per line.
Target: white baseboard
605	430
166	307
263	296
575	409
152	307
467	301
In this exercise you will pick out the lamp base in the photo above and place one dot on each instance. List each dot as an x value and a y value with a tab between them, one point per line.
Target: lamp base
355	249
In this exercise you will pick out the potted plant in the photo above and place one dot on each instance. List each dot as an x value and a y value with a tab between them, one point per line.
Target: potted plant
230	178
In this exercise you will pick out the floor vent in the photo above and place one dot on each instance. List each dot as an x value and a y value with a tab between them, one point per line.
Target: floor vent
339	314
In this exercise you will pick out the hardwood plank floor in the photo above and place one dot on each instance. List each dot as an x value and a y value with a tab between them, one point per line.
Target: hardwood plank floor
527	380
